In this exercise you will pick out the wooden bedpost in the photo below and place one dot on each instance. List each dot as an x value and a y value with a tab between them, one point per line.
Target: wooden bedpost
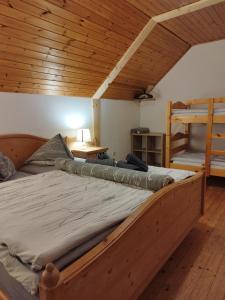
50	276
48	284
3	296
168	133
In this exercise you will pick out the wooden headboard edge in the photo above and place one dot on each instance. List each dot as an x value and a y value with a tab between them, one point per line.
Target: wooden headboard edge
22	136
19	147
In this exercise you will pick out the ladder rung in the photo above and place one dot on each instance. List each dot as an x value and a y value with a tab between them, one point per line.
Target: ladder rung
218	136
218	152
179	136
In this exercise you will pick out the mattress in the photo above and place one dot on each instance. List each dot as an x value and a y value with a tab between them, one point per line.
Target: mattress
17	291
198	159
199	112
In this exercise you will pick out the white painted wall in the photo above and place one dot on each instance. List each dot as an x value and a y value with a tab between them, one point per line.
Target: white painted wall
42	115
117	118
200	73
47	115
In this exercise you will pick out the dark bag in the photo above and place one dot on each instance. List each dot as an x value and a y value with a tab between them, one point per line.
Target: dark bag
134	160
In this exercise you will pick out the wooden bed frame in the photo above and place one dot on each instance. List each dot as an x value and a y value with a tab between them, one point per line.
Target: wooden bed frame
19	147
121	266
184	138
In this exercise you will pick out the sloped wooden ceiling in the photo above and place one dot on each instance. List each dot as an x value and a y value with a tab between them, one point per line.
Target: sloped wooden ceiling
63	47
156	7
68	47
202	26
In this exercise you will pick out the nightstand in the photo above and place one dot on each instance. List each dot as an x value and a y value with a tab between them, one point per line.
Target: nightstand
88	151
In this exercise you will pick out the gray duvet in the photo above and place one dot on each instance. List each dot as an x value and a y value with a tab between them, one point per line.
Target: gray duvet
43	217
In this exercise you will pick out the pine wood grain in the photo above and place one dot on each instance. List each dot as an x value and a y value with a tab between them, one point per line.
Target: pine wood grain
199	27
197	268
153	8
89	37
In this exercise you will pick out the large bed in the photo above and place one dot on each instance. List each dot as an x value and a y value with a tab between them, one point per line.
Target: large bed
121	260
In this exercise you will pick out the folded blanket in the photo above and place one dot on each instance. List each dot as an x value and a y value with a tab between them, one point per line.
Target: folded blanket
153	182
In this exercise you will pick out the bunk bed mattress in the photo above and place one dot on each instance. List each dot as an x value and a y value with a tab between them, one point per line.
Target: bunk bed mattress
198	112
198	159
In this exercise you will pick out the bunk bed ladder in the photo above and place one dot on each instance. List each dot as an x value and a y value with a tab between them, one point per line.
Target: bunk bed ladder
208	150
168	134
172	149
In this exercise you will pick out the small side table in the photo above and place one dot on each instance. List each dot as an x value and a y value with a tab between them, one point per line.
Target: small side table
88	151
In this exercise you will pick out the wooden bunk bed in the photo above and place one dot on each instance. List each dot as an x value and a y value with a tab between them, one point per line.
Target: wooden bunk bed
180	142
123	264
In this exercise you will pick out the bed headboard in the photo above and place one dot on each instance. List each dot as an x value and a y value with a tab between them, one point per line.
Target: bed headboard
19	147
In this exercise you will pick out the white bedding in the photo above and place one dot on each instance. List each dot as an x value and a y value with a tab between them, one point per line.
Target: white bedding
198	159
196	111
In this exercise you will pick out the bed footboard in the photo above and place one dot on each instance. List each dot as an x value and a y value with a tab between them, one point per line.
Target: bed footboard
122	265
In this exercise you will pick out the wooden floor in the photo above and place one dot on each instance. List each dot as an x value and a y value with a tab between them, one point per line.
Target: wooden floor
196	271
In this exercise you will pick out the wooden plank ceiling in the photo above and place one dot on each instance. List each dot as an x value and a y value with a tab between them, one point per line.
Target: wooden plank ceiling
68	47
202	26
153	8
63	47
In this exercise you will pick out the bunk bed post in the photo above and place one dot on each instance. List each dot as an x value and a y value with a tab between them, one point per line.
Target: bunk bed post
188	131
209	136
168	133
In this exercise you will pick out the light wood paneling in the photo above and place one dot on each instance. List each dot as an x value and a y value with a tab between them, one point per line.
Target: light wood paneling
199	27
153	8
63	47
